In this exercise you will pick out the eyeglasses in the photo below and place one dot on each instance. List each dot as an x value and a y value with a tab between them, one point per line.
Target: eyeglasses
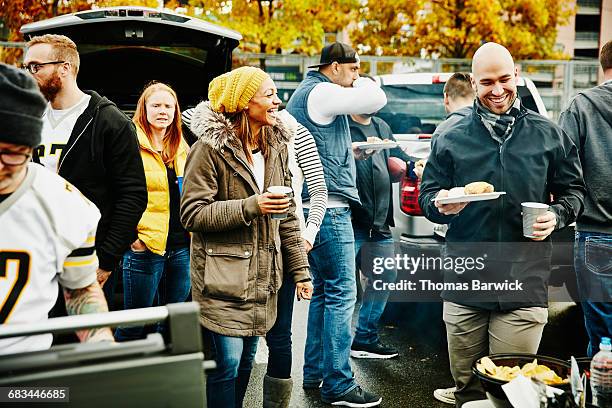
9	158
33	67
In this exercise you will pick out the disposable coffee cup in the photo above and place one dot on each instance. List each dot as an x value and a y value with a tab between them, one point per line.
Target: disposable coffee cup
288	191
531	211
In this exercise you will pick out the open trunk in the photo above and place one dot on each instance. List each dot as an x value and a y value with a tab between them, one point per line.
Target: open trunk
124	48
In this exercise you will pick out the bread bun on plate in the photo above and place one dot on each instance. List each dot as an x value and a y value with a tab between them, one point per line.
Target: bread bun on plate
478	187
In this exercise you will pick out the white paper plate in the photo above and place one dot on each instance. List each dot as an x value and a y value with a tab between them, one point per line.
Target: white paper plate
470	197
376	146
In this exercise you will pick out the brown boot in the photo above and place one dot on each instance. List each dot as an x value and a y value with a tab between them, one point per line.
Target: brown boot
277	392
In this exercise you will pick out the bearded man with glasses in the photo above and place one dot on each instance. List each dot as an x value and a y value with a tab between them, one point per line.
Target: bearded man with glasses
88	141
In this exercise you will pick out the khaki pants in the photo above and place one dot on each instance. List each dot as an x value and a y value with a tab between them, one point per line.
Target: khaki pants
473	333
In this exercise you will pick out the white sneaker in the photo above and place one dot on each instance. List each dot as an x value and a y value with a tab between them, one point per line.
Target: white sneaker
446	395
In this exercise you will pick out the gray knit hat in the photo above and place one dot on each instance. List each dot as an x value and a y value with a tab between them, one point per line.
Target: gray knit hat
21	107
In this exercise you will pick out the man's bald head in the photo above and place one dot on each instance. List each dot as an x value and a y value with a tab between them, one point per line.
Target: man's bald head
494	77
491	52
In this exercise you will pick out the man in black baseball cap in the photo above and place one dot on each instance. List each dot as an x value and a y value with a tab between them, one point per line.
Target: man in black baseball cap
322	103
337	52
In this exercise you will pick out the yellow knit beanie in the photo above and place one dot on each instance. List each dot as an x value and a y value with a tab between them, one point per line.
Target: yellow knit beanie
232	91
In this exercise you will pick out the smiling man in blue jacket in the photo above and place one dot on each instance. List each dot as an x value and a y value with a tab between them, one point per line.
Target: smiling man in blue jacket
530	158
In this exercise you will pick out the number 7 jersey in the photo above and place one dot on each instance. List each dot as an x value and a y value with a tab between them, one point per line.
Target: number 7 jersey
47	235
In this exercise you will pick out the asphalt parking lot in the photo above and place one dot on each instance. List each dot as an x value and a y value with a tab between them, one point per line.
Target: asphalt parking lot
416	329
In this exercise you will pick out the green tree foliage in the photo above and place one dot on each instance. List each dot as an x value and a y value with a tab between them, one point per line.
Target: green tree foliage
289	25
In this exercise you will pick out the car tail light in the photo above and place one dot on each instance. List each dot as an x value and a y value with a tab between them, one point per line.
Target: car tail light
409	197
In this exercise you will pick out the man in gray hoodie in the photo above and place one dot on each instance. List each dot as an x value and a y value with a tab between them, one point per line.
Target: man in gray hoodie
588	121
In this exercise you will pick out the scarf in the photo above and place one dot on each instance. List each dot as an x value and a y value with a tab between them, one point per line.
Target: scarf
499	126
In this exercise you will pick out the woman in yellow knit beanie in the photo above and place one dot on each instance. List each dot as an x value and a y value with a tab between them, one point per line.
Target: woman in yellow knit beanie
237	264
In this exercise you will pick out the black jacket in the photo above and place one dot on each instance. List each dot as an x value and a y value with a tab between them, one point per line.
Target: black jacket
538	159
451	119
373	180
102	159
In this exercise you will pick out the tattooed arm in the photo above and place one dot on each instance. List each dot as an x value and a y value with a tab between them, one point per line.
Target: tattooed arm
88	300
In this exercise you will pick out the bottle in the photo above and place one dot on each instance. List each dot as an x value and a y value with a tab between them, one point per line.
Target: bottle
601	375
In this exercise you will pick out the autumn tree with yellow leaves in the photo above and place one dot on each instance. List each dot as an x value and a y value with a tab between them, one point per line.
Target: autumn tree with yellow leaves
289	25
456	28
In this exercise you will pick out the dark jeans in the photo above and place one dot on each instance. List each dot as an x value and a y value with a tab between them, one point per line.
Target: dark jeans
367	247
150	279
593	264
279	336
226	385
109	289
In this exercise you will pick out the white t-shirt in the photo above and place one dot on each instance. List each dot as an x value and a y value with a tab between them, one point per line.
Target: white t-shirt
47	236
57	128
259	169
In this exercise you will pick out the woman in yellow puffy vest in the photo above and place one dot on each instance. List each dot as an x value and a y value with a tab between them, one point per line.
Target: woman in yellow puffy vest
156	267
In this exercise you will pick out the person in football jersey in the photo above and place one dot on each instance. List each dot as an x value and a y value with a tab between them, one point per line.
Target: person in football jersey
48	226
156	267
87	140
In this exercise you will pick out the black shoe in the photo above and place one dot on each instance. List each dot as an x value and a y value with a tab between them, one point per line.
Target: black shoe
355	399
374	350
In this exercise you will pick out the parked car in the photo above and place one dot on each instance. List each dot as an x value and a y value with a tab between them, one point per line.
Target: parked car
415	107
124	48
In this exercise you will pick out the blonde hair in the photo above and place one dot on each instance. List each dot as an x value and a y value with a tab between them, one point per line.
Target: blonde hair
174	134
64	49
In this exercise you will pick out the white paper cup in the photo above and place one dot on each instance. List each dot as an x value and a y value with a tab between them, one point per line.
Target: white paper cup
288	191
531	211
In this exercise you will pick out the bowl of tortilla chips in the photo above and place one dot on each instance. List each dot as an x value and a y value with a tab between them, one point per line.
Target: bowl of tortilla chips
496	370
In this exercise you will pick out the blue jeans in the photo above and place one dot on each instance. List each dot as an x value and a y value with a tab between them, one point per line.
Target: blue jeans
593	264
150	279
278	338
374	301
328	340
226	385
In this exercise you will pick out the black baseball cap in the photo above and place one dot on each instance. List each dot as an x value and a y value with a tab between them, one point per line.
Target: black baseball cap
338	52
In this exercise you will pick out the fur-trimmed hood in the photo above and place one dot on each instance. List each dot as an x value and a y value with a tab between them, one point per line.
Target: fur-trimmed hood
216	130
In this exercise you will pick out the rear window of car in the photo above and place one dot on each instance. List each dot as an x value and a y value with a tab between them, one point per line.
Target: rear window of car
419	108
